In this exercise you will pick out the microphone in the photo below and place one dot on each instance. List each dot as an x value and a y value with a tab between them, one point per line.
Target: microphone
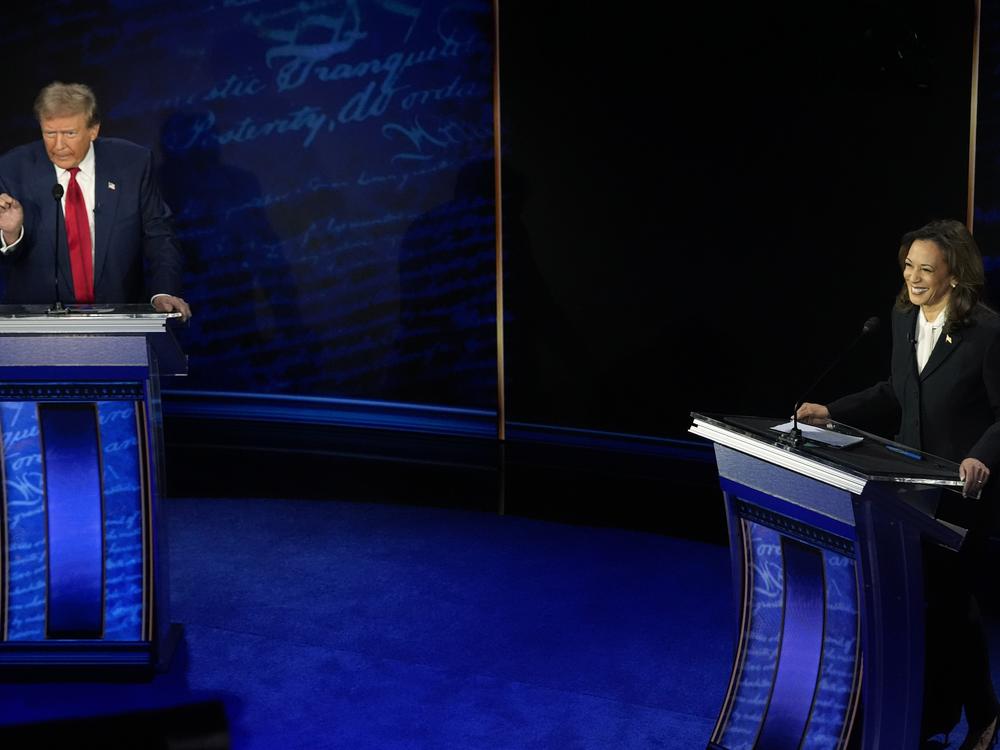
870	325
57	307
794	438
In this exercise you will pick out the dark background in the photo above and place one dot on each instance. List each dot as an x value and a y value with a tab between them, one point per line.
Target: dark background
713	197
702	202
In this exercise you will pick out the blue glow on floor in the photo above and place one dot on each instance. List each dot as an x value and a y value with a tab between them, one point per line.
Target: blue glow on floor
348	625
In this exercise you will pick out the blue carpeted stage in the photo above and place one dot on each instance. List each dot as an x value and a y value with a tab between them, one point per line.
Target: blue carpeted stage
353	625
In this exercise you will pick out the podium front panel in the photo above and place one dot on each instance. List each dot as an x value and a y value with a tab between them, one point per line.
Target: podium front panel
796	675
76	514
82	551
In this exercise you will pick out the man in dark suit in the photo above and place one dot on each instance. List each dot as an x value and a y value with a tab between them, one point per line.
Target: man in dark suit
116	242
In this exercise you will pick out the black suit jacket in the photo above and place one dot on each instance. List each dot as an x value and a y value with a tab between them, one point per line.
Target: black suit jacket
952	407
135	253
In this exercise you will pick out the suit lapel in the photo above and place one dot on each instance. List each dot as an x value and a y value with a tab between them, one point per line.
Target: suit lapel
105	207
43	178
946	344
910	332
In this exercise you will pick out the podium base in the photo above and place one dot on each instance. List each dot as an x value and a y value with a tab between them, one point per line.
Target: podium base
87	660
171	639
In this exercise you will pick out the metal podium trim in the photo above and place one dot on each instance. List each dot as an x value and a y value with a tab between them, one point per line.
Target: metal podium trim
809	467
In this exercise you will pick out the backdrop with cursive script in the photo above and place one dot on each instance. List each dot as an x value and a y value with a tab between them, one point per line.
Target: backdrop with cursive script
329	164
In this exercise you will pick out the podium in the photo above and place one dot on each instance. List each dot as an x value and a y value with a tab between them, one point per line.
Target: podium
83	585
827	564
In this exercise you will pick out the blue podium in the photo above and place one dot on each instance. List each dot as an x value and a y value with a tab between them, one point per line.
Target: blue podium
826	550
83	584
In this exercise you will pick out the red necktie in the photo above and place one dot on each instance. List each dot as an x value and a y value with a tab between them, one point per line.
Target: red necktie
81	252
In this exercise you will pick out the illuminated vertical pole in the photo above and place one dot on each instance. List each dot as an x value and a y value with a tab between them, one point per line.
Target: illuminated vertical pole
970	206
498	203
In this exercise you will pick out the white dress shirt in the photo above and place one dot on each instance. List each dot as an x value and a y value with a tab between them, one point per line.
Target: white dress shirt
927	336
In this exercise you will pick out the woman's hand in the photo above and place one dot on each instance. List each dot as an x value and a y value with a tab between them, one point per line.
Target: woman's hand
975	474
813	414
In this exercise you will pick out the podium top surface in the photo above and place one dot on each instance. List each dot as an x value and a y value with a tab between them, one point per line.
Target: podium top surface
83	319
873	459
67	334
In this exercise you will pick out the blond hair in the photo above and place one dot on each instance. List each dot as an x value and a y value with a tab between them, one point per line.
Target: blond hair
59	99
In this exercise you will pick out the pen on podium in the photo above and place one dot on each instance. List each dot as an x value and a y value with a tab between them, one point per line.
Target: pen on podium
904	452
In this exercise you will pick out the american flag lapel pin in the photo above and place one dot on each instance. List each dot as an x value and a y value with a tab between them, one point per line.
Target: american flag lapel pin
111	186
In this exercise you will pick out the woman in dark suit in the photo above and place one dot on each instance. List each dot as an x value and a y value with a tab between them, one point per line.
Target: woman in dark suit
944	393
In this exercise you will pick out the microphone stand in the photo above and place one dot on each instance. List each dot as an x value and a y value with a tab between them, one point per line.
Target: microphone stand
57	308
793	438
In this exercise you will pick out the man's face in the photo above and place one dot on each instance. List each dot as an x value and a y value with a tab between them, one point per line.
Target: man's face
67	139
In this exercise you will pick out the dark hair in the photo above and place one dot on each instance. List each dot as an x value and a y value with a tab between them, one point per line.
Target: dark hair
964	261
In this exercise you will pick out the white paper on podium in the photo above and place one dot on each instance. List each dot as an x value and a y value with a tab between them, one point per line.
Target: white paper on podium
819	435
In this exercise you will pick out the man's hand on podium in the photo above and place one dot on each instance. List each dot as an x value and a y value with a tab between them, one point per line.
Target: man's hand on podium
169	303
